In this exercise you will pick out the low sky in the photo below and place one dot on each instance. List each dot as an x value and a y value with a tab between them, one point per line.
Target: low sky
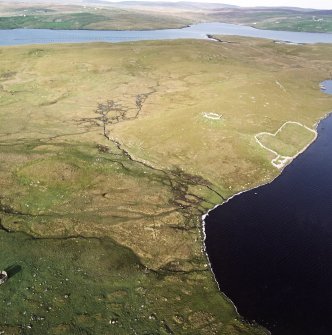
321	4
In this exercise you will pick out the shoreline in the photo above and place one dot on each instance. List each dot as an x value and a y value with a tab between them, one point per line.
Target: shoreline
203	217
103	30
184	26
194	30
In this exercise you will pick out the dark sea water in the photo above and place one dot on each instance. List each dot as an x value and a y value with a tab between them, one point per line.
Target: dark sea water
271	248
197	31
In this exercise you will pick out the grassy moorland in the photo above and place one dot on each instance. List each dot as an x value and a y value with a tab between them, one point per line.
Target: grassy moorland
114	20
108	162
277	18
92	18
322	24
156	15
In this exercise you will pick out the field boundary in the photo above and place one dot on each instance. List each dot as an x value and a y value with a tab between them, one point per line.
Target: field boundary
281	161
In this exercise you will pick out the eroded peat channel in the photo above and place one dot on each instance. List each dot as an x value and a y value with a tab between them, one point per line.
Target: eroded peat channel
271	247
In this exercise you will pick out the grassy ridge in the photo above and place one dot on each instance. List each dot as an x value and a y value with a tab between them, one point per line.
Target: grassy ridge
115	19
294	24
66	21
277	19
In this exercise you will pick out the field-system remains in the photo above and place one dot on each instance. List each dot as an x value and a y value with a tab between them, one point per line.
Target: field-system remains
107	165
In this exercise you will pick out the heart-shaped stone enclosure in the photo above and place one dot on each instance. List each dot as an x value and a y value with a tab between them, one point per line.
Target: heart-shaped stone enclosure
287	142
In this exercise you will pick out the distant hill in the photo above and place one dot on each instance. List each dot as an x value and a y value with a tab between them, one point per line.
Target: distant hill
187	5
138	15
180	4
322	12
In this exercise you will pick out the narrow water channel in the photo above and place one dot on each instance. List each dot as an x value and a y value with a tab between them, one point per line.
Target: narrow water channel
271	248
197	31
